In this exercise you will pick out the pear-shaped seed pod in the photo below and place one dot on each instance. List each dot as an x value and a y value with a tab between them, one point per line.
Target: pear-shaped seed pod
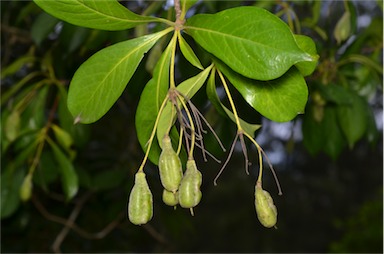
170	198
189	190
170	168
140	206
265	209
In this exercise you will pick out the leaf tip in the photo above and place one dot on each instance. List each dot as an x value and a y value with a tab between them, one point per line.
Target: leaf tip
77	119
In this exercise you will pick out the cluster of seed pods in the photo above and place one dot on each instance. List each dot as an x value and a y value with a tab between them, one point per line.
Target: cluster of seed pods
183	188
179	188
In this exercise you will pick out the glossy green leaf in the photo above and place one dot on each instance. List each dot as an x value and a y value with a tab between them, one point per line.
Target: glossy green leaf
188	52
100	81
150	102
69	179
353	119
279	100
250	40
105	15
307	45
188	88
214	98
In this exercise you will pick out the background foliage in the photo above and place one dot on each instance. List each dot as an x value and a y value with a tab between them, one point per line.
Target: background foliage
329	160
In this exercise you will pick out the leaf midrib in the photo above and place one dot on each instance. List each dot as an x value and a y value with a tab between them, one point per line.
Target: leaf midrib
102	83
113	17
231	36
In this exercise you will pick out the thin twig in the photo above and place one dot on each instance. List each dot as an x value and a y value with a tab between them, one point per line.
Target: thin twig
156	235
273	173
209	154
98	235
71	219
244	148
227	160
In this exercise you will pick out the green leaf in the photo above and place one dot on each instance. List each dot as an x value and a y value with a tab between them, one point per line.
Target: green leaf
192	85
306	44
104	15
79	132
250	40
313	131
69	179
334	93
11	181
34	116
325	135
12	125
343	27
334	140
279	100
24	146
16	66
353	119
188	52
108	179
42	26
100	80
151	99
72	37
46	171
185	5
26	188
64	139
214	98
372	133
188	88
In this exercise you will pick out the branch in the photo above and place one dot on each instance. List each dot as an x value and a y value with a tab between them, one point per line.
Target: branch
69	223
177	9
98	235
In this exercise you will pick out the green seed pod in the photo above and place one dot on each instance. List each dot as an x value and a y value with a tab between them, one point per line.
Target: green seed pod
140	206
189	190
26	188
170	168
170	198
265	209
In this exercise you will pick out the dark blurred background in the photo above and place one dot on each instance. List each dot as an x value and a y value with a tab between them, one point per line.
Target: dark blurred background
332	190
